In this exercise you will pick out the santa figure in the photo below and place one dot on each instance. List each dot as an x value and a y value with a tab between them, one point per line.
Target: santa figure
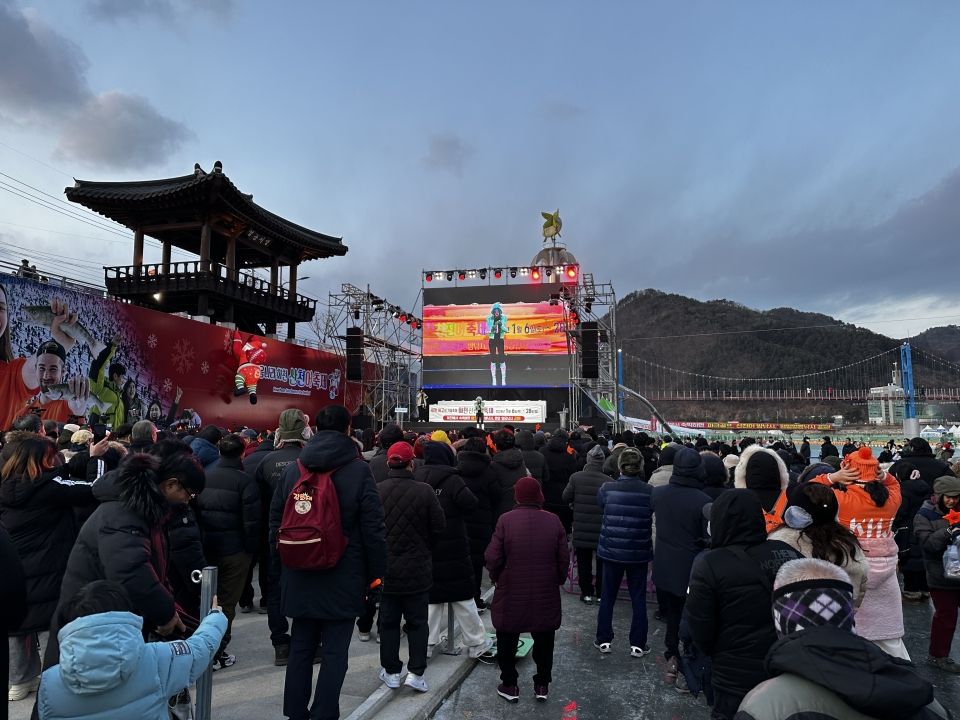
250	354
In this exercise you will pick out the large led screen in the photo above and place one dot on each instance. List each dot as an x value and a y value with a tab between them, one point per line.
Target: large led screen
494	336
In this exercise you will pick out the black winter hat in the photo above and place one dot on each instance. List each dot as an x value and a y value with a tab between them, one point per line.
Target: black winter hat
668	453
688	463
714	471
762	472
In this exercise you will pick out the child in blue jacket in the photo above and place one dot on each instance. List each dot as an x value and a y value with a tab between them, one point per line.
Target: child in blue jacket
106	669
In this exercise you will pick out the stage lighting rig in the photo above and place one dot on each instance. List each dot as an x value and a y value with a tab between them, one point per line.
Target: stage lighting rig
449	275
497	273
483	274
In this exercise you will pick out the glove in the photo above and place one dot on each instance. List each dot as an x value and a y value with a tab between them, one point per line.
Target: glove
375	591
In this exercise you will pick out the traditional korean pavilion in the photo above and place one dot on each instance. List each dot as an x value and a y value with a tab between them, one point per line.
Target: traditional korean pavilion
206	215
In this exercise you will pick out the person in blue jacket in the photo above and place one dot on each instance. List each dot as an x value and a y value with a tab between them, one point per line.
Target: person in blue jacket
106	669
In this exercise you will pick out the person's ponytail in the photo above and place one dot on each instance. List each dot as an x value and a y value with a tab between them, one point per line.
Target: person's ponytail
878	492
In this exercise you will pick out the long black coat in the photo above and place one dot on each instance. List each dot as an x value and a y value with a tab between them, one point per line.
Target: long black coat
509	467
728	604
913	494
681	532
40	519
453	577
561	466
930	468
481	480
337	593
414	523
532	459
230	508
527	559
582	491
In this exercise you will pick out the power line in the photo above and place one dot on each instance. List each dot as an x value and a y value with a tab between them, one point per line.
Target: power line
40	162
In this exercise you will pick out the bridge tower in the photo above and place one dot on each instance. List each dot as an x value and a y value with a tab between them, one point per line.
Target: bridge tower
911	425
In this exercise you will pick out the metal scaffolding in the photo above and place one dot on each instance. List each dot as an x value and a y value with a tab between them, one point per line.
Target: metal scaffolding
391	348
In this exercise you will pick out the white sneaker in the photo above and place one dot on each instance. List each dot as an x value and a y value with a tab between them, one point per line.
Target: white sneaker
481	649
391	680
416	682
21	690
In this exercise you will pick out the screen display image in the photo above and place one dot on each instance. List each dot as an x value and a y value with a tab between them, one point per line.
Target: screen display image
494	336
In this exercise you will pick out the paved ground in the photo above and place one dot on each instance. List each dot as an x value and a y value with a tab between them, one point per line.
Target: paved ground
587	685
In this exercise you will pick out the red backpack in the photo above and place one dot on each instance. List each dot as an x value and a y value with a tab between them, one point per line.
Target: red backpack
311	536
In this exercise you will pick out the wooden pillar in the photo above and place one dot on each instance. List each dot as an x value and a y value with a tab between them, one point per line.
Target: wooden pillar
232	258
205	247
137	252
292	326
274	290
166	257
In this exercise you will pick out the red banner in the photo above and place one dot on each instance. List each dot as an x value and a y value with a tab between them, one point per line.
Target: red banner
62	353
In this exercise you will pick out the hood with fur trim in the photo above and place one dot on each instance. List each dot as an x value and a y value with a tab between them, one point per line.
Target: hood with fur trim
768	495
134	485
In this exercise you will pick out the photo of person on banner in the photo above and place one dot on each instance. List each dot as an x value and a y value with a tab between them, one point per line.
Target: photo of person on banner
496	330
106	380
58	399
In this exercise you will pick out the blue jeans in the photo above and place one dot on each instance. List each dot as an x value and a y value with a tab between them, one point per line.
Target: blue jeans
637	585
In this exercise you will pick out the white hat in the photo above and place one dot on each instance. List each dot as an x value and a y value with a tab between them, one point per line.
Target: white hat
731	461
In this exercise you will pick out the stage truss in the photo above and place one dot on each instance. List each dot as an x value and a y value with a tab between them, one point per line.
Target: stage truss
391	349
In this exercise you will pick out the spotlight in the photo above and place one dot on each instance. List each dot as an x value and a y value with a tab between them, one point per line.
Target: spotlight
356	313
571	271
403	317
524	272
449	275
497	273
411	321
472	275
429	277
396	312
461	274
419	324
513	272
535	274
587	306
483	274
548	271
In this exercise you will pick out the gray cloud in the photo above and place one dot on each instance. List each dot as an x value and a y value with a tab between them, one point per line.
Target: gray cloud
561	109
40	70
121	131
43	78
162	10
447	152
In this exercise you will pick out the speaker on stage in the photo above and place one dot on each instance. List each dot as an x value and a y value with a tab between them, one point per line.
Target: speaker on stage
354	354
589	350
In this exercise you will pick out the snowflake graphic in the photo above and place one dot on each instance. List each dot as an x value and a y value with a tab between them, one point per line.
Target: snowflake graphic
227	340
204	367
167	385
182	356
152	341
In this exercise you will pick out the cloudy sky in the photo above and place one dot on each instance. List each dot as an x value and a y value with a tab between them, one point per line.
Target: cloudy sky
801	154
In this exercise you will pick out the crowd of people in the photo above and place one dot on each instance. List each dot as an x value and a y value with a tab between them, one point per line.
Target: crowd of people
779	581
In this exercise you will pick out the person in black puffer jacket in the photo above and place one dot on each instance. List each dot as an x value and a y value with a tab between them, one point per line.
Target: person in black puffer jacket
918	453
561	465
390	434
414	522
581	492
453	578
509	467
914	492
230	507
533	460
715	474
473	464
728	602
37	508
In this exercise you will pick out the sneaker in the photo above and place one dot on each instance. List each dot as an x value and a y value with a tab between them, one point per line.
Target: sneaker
281	654
481	604
510	693
911	596
363	637
262	610
681	684
416	682
670	678
943	663
481	649
246	609
603	647
639	650
540	692
391	680
224	660
21	690
587	599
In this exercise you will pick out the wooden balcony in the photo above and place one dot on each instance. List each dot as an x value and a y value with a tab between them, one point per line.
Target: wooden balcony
207	288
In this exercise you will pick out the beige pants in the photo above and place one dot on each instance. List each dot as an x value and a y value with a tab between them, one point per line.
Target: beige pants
465	614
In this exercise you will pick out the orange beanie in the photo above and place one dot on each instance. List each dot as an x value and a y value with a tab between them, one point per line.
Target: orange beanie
864	463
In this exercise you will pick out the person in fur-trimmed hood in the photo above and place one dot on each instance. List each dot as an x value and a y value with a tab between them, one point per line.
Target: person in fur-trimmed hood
764	472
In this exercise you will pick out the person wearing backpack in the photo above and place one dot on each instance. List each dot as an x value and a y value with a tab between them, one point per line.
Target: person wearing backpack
324	601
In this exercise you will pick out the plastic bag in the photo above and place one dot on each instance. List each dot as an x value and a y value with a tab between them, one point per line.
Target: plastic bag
951	562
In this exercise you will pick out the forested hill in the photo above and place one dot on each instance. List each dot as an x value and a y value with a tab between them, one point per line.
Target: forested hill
942	341
714	342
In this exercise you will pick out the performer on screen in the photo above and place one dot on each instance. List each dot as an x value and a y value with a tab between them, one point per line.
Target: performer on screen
496	329
478	409
423	406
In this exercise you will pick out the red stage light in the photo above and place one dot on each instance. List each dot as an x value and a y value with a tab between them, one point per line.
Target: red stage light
571	271
429	277
535	274
498	274
462	275
403	317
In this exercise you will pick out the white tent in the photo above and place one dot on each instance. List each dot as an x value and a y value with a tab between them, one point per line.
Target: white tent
941	428
928	432
954	430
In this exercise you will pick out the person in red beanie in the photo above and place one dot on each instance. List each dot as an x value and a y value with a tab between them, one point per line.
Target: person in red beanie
527	560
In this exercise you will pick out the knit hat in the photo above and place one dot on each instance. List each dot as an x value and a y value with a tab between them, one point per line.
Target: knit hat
390	434
438	453
947	485
811	505
863	462
441	436
811	603
400	453
831	460
291	425
731	460
596	457
630	462
668	454
687	463
527	491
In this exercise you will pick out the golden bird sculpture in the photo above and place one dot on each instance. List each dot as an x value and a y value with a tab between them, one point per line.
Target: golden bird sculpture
551	224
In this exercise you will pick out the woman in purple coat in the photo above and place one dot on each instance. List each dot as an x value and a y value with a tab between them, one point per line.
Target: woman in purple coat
527	559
